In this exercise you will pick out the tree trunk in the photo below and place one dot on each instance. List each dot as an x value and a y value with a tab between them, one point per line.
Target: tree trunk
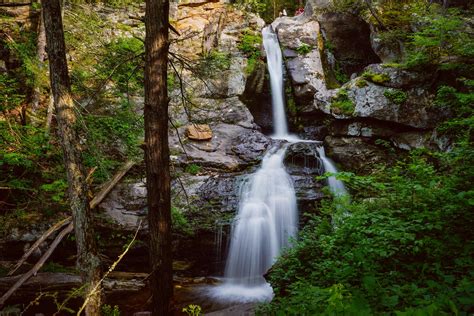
87	259
157	154
40	53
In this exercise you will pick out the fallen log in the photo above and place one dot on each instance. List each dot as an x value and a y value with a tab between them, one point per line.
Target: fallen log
64	282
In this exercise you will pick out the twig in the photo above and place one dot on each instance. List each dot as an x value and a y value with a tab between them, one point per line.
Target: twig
112	267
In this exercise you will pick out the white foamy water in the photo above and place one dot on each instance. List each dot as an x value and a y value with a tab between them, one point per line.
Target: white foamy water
336	186
266	220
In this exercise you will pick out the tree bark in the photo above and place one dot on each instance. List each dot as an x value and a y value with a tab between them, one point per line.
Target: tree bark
87	258
157	154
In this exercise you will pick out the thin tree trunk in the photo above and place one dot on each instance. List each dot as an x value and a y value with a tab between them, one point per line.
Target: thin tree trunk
87	258
49	113
40	53
157	154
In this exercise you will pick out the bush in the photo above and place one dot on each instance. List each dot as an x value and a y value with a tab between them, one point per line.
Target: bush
397	248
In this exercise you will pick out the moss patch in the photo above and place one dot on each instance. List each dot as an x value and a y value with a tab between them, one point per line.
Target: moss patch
342	104
396	96
375	77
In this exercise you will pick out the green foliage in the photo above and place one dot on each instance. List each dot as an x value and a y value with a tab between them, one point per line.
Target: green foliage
123	64
11	96
181	225
193	169
192	310
396	96
304	49
461	104
250	44
375	77
441	36
56	189
107	310
214	63
112	138
342	104
398	247
341	77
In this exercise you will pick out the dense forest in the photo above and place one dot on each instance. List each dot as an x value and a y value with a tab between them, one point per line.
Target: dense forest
385	86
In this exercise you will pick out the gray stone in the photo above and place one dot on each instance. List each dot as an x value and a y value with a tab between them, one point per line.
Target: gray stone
399	78
355	153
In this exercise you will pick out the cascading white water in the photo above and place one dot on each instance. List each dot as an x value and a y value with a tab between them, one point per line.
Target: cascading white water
268	214
336	186
267	218
275	69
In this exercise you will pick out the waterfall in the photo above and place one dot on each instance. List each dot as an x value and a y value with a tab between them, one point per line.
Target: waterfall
336	186
268	214
275	69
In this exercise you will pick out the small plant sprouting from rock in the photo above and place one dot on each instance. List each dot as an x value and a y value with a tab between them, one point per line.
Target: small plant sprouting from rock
304	49
342	104
192	310
396	96
193	169
375	77
108	310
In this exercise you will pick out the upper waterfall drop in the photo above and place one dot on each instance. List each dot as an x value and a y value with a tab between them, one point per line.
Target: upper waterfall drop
275	69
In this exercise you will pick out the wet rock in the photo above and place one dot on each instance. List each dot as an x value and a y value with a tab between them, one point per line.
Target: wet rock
350	38
356	154
303	159
221	192
247	309
257	97
251	145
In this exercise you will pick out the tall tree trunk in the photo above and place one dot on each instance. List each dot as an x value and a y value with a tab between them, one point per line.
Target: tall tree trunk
157	153
87	259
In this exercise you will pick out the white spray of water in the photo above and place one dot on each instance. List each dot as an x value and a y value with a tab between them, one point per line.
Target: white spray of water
336	186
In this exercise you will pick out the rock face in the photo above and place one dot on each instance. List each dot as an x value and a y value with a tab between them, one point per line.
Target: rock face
382	107
349	39
299	37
